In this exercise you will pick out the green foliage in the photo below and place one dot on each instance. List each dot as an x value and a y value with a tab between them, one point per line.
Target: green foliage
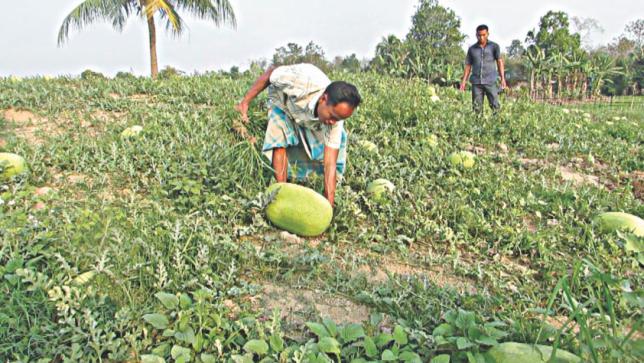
431	49
157	248
294	53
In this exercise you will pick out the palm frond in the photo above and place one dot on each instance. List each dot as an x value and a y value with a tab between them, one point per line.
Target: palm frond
218	11
167	11
92	10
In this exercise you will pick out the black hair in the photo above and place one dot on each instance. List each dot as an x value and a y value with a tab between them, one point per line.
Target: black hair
482	27
340	91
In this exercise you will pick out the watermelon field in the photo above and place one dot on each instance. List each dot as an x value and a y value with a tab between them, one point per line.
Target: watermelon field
152	245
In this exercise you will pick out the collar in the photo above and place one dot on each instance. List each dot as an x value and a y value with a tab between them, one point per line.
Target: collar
313	104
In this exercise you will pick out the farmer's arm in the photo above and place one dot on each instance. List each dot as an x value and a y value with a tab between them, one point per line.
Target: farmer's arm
330	160
260	84
466	75
499	64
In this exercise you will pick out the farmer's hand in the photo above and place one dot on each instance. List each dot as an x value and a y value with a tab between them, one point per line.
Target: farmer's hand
462	87
242	107
503	84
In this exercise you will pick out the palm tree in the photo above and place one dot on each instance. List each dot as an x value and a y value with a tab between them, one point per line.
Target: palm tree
117	12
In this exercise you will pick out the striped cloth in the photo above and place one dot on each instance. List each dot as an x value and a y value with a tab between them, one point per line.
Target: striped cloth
304	147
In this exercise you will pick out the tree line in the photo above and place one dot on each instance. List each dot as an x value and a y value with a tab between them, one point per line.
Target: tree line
552	62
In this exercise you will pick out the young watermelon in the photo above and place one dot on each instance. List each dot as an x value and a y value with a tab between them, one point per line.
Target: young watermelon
464	158
131	131
618	221
298	209
10	165
379	188
512	352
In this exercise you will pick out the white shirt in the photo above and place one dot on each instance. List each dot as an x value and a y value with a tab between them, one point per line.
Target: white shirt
296	89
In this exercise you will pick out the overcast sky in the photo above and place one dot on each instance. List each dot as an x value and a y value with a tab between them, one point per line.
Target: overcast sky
28	32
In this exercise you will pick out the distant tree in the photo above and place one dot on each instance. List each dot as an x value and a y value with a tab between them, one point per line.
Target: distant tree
516	50
554	35
294	53
117	12
515	68
435	35
390	58
586	27
349	63
635	31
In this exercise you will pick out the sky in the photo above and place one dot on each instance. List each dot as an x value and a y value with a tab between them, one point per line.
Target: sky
28	32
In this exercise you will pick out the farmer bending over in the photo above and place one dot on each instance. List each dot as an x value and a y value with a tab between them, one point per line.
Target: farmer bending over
305	132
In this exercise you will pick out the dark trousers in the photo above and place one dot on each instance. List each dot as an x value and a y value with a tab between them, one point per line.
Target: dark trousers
490	91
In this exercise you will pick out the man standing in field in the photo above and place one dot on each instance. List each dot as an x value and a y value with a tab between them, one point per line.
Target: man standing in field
481	62
305	132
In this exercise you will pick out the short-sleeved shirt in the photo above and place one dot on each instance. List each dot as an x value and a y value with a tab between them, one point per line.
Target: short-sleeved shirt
483	62
296	89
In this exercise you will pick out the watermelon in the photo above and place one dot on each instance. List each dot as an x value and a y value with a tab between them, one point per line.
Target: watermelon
379	188
132	131
368	145
613	221
512	352
432	140
462	158
298	209
434	98
11	164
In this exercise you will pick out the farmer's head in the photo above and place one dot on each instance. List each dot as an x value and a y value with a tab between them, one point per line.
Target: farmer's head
337	102
482	33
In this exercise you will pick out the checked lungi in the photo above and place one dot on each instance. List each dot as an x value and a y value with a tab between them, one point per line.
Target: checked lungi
304	146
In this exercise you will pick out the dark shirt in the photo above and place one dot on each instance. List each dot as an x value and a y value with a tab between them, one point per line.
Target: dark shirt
483	62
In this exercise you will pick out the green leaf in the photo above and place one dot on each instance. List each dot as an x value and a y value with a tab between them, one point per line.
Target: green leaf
178	352
383	339
475	358
388	356
208	358
485	340
158	321
633	243
187	335
445	329
464	320
329	345
185	301
246	358
331	327
277	343
409	357
256	346
351	333
168	300
399	335
443	358
162	350
463	343
370	347
451	316
318	329
149	358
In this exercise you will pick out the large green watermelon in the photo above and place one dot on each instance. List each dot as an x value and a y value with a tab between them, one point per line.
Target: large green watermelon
612	221
512	352
10	165
298	209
